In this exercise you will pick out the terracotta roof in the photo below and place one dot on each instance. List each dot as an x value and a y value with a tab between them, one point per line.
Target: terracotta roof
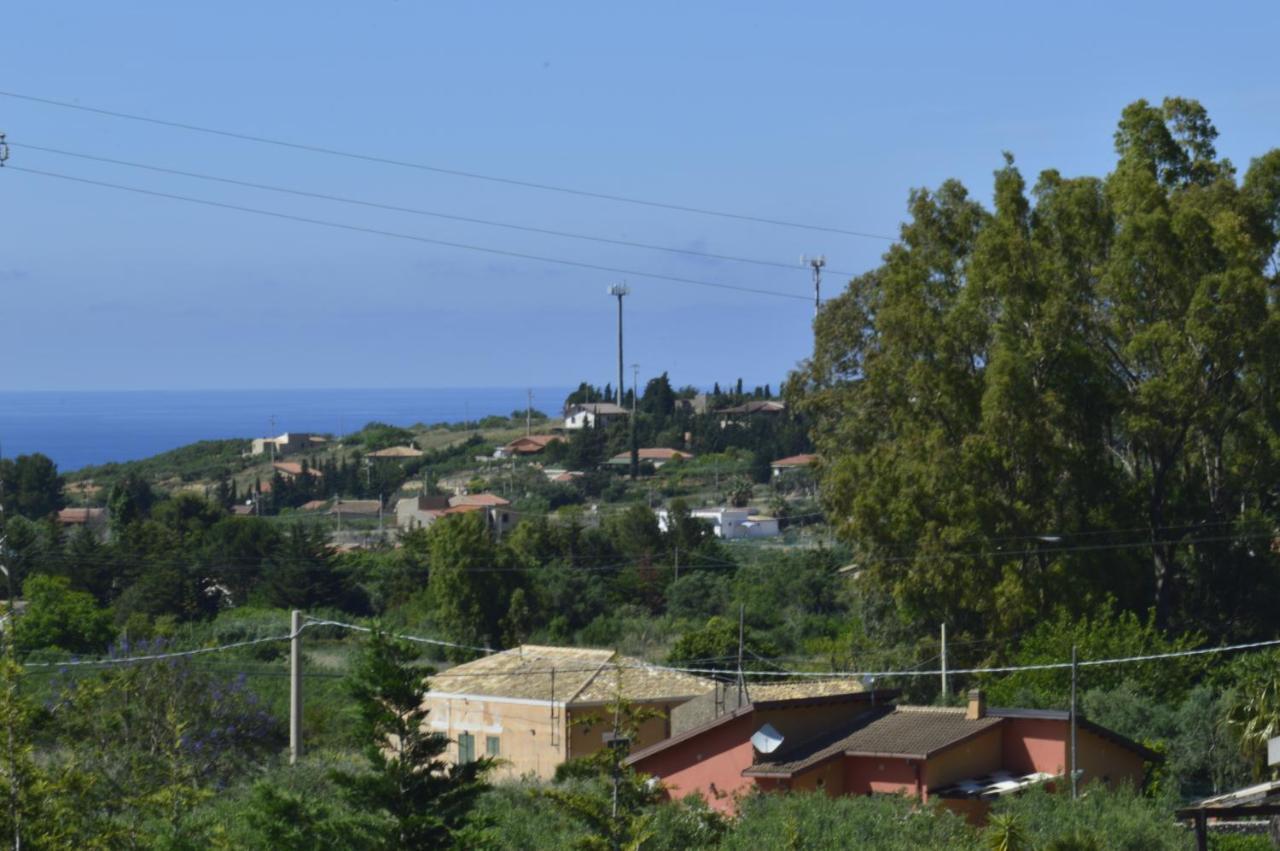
293	468
466	508
368	507
795	461
77	516
397	452
755	406
477	499
583	676
916	732
800	689
532	443
651	454
313	505
566	476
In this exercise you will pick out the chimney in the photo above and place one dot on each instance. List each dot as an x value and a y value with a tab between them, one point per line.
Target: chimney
977	705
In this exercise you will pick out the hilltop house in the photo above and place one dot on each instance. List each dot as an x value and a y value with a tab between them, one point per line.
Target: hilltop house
531	444
792	463
747	410
292	441
292	470
396	452
729	523
533	706
656	456
421	511
862	743
592	414
96	520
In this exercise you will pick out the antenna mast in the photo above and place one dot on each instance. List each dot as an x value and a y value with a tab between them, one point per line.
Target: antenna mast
816	263
620	290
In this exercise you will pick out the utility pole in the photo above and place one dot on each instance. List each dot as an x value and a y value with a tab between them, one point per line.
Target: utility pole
635	388
816	264
14	812
295	686
274	446
528	414
742	684
944	663
1074	773
620	290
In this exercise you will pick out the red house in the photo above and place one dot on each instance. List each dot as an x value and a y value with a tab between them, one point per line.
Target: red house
861	743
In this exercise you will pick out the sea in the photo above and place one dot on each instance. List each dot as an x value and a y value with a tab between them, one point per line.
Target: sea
82	428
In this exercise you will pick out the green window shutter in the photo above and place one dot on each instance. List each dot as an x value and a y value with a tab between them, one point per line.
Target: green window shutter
492	745
466	748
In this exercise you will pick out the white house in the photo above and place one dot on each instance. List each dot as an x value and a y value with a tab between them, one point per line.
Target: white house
730	523
590	414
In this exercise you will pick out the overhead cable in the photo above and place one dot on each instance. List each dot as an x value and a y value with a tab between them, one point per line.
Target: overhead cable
470	175
323	196
414	238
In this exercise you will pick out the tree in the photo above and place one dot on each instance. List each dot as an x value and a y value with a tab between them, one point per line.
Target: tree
30	486
427	800
129	500
467	593
1099	355
57	618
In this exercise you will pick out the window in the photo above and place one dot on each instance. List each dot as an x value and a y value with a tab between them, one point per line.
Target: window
492	745
466	748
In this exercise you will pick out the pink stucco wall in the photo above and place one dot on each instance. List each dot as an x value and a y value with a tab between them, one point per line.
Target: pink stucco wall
1035	744
866	775
711	763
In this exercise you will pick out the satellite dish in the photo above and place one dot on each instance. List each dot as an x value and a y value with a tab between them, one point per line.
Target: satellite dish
766	739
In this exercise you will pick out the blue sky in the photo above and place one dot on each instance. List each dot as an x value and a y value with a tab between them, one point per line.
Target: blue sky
827	113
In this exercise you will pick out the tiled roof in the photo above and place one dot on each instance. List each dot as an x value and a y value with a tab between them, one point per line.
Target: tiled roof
74	516
902	731
599	408
478	499
581	676
293	468
651	454
356	506
533	442
755	406
795	461
800	689
397	452
313	505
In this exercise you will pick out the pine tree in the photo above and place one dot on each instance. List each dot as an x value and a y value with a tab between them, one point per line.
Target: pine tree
426	798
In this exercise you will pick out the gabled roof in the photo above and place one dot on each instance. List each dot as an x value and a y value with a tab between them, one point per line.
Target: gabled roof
369	507
651	454
912	732
77	516
532	442
598	408
574	676
477	499
775	696
803	460
1083	724
396	452
293	468
755	406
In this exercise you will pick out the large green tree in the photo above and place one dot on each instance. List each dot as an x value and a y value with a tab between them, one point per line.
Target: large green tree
1069	396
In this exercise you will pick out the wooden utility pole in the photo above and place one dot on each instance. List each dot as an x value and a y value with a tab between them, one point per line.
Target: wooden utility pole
1074	771
742	684
944	663
295	686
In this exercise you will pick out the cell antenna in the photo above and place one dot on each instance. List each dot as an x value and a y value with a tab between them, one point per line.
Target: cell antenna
815	263
620	290
4	150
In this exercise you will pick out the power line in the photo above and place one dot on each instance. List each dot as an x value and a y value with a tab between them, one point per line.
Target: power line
301	193
428	240
470	175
